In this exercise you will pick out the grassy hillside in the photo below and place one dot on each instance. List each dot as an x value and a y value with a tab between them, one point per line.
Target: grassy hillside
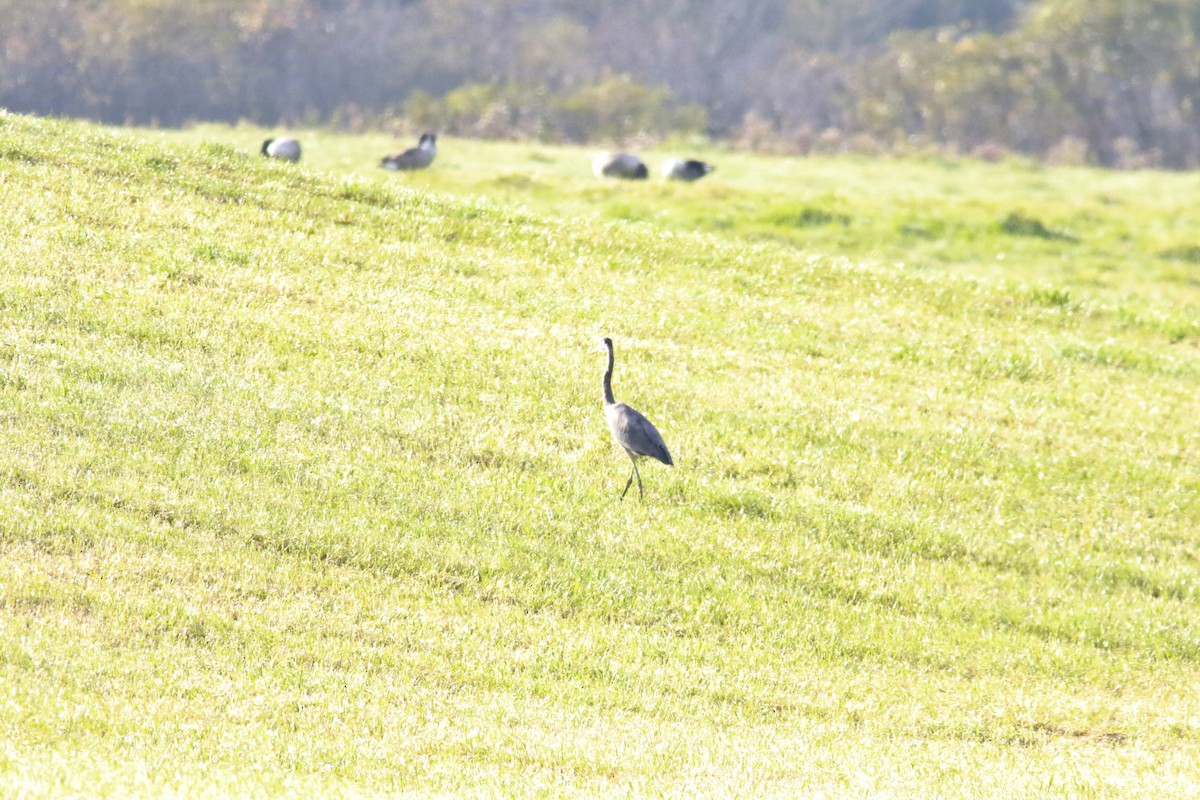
1110	236
307	489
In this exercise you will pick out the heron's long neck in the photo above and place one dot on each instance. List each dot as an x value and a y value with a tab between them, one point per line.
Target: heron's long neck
608	395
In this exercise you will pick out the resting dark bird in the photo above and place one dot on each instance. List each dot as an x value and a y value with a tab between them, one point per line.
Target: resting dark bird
678	169
284	147
418	157
619	165
632	431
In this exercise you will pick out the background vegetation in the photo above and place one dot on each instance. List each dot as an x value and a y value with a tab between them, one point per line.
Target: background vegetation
306	488
1112	82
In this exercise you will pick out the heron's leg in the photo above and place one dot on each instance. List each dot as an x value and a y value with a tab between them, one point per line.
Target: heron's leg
639	477
630	481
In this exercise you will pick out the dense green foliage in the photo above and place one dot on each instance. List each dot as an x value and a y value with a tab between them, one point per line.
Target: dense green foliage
1113	82
1109	81
306	488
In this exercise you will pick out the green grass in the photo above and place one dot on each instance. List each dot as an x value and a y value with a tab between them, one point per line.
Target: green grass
306	488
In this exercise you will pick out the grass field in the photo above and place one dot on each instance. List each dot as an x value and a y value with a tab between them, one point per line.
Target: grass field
306	488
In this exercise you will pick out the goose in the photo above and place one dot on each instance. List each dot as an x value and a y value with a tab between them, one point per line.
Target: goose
418	157
678	169
619	165
284	147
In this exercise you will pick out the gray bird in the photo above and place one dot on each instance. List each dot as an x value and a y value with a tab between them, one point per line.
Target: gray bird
632	431
620	165
678	169
284	147
418	157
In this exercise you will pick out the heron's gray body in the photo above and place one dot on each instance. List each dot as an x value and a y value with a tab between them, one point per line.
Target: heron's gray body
636	434
418	157
284	147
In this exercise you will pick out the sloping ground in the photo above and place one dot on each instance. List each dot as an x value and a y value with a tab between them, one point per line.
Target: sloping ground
306	490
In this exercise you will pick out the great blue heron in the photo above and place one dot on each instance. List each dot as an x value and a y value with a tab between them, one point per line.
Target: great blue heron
284	147
632	431
418	157
690	169
619	165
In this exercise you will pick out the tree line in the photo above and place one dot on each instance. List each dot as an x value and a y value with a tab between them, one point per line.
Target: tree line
1114	82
